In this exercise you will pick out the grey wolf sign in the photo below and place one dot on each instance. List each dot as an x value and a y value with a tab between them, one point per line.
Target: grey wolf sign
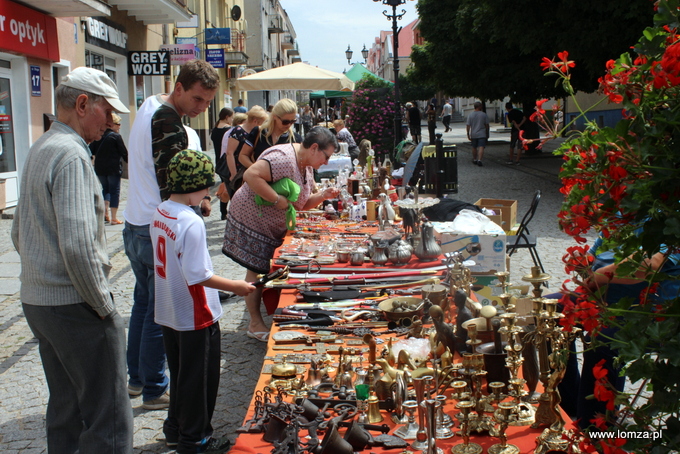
148	63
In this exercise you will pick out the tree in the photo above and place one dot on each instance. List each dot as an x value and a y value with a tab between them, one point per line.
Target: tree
412	88
490	49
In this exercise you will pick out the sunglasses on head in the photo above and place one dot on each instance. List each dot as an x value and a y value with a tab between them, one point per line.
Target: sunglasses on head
286	122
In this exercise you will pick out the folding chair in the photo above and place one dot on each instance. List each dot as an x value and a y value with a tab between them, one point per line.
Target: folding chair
523	239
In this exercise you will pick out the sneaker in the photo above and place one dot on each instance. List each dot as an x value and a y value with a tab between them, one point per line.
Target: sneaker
510	163
135	391
159	403
516	163
474	161
171	442
479	163
225	295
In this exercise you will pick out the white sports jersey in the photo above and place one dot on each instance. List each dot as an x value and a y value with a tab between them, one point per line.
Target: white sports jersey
181	261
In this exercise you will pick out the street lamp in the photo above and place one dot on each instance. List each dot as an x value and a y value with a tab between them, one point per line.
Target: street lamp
364	53
348	54
395	35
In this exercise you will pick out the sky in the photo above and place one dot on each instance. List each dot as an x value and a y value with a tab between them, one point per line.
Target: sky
324	28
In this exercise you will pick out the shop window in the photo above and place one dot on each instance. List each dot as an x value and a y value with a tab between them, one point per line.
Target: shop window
7	157
102	63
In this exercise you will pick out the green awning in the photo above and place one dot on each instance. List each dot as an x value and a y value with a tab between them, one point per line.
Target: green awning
355	75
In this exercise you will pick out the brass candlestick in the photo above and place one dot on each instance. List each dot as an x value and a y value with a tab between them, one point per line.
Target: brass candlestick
552	437
503	415
523	411
536	278
479	422
546	332
466	447
472	342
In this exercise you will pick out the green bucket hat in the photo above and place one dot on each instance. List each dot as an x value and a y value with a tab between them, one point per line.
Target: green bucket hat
190	171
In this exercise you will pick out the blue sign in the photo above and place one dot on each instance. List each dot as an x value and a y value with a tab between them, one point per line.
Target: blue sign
35	81
218	36
215	57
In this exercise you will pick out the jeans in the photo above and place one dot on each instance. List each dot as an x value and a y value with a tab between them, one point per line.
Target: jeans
446	120
146	353
111	189
84	361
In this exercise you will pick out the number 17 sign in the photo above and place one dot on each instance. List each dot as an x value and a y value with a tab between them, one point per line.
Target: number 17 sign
35	81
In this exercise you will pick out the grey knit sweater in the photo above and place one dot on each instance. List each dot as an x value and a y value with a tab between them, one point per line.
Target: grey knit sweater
58	226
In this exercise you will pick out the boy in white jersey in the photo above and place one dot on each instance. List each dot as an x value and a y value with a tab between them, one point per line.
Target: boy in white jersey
188	306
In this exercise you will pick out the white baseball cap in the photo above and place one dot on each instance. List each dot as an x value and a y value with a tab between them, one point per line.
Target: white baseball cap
96	82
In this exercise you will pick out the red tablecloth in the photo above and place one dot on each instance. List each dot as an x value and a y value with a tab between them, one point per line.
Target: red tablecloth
523	437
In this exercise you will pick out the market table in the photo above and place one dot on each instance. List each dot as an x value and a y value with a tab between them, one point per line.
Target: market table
523	437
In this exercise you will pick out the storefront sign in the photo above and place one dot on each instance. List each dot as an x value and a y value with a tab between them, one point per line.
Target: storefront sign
105	34
28	32
218	36
145	63
215	57
35	81
179	53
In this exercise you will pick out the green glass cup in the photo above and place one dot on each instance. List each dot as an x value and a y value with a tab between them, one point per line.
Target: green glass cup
361	391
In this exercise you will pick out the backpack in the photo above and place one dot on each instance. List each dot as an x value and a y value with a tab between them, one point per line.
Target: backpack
221	167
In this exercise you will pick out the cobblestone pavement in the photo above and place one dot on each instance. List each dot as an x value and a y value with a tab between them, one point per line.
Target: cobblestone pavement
23	391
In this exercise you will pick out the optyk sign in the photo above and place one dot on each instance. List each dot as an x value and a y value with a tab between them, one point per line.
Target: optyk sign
28	32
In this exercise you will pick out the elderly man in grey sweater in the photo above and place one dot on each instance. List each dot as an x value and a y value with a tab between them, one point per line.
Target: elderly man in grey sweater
58	231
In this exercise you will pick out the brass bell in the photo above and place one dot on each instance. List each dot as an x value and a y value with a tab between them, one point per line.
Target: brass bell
284	369
374	415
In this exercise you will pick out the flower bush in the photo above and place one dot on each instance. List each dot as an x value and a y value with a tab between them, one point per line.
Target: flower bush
624	183
371	114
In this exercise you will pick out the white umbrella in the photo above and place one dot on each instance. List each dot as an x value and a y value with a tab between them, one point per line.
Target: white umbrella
298	76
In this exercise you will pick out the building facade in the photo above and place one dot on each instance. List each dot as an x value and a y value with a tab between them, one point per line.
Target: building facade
271	41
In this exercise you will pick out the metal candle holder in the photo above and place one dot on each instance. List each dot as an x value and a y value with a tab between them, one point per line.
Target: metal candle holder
408	431
503	415
466	447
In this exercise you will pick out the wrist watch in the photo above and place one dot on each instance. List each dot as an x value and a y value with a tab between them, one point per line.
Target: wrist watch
208	198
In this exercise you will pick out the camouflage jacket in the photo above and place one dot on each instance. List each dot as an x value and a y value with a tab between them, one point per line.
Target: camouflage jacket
168	137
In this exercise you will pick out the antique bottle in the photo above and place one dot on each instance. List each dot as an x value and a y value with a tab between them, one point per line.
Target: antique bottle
379	257
428	249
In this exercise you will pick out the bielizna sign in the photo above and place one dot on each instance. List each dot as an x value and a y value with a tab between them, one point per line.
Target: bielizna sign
179	53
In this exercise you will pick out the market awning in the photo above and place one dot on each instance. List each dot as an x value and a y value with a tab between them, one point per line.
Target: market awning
355	74
297	76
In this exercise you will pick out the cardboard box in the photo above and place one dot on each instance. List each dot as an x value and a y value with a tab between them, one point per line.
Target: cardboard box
506	208
487	292
486	250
